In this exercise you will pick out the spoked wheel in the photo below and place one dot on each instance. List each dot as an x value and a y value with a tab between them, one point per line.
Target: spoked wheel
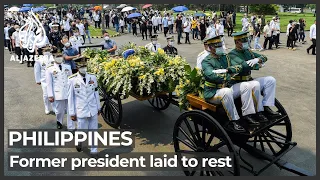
276	139
161	101
195	132
102	93
112	110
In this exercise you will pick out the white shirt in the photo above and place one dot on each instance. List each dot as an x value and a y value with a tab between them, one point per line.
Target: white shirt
66	25
170	20
83	97
40	68
150	47
159	20
81	28
16	38
96	17
201	57
154	21
121	22
244	21
187	26
313	31
267	30
76	42
57	81
288	27
220	29
6	33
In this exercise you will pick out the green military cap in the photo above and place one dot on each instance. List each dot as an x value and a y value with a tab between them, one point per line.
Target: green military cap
240	35
212	40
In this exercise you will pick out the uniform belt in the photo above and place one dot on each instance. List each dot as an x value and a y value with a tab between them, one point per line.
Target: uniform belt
212	85
242	78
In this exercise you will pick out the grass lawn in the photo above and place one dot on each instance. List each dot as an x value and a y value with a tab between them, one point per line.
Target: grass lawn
98	32
284	19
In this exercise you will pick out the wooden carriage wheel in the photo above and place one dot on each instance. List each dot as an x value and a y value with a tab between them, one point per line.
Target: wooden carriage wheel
196	131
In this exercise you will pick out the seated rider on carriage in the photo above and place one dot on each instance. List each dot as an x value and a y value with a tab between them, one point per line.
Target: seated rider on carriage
218	69
254	61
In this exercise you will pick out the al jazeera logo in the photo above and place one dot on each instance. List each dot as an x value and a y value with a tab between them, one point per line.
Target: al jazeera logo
32	35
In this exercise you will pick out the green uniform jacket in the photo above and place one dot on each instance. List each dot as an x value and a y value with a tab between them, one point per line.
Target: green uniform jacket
241	56
223	62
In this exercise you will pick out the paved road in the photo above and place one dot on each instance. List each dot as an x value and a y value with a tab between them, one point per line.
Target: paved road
295	72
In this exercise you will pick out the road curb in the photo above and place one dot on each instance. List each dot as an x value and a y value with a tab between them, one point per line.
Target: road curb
99	37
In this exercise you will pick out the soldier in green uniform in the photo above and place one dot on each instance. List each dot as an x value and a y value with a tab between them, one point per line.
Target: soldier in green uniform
219	88
254	61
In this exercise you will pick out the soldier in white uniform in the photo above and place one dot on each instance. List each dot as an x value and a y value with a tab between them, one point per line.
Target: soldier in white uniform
154	45
76	40
40	68
84	101
202	55
57	80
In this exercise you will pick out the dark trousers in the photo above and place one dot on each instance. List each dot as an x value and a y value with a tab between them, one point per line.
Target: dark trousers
134	31
155	28
144	32
17	50
230	31
195	33
287	41
266	40
290	41
9	45
150	31
27	54
179	35
313	46
160	27
187	38
202	35
84	39
96	24
166	29
107	23
171	29
276	40
301	36
122	28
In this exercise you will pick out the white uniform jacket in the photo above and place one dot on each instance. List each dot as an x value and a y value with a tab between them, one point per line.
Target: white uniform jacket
40	67
201	57
76	42
83	97
57	81
150	46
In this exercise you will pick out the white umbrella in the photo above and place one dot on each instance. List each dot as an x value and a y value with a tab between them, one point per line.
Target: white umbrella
122	6
14	9
127	9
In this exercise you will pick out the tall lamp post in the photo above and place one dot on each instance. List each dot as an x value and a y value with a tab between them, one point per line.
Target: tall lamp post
103	21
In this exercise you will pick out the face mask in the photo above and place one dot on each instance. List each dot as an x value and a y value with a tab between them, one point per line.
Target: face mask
76	34
107	38
83	70
18	29
67	44
59	60
171	43
55	30
154	42
220	51
245	45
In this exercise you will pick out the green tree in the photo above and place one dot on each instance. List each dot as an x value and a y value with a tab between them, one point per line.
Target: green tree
263	9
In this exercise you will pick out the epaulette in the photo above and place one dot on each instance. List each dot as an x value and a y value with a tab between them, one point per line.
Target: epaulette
50	66
72	76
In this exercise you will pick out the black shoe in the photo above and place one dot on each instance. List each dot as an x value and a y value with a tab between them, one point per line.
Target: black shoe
261	118
308	51
314	54
250	120
269	112
234	126
59	125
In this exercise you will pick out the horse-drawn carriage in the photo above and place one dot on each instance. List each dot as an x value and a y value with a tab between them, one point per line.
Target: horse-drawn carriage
202	128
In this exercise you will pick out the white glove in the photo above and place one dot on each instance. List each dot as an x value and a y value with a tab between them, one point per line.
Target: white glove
219	71
252	62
